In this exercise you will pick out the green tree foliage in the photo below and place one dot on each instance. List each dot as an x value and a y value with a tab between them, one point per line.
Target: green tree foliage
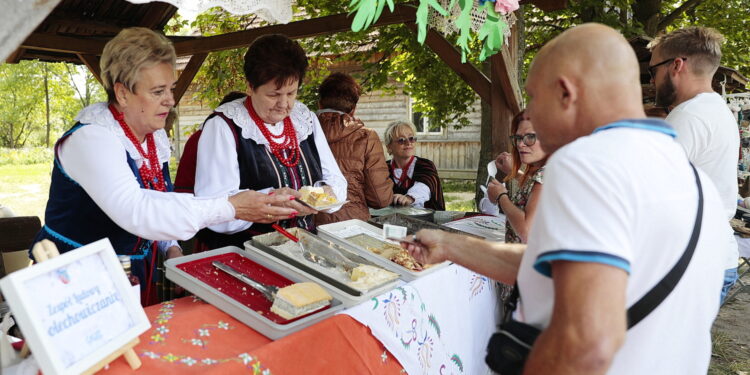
648	17
23	120
388	58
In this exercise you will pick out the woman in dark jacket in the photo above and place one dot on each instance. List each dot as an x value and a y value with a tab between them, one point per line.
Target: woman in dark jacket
356	148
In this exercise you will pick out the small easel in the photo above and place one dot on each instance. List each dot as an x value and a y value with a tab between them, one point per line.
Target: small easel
45	250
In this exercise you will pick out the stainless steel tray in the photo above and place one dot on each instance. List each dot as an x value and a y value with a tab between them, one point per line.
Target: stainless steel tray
336	278
345	233
413	225
238	310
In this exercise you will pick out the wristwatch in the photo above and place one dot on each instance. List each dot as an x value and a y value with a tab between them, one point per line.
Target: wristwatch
497	200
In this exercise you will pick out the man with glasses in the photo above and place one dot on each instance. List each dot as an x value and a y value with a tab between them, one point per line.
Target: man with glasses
682	67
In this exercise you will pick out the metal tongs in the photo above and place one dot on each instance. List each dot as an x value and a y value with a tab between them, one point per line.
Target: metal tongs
318	258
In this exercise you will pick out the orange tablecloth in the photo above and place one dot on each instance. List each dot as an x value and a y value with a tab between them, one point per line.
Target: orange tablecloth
191	336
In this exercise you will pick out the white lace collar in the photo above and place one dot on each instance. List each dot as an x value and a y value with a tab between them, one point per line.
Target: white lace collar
302	119
98	114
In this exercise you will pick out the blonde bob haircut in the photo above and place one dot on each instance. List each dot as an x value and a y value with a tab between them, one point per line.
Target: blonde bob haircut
130	51
395	128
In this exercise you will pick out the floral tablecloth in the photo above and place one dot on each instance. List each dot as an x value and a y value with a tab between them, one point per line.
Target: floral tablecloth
438	324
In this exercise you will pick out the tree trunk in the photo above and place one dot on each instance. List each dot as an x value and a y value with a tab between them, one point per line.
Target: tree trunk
46	99
648	13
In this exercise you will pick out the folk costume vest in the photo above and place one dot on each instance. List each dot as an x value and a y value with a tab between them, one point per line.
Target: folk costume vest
73	219
260	169
424	172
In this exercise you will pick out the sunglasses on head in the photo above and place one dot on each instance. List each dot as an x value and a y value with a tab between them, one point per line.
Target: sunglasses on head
403	141
528	139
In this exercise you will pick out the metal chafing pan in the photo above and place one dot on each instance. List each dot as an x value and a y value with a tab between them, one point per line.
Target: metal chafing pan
413	225
337	278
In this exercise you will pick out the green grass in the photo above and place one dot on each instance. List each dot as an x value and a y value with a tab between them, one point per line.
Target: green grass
458	186
25	188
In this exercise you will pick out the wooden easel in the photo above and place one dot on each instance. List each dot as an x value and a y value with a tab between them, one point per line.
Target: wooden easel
45	250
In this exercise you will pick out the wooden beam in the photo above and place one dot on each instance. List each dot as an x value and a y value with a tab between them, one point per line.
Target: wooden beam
57	43
452	57
504	78
187	75
156	13
295	30
15	57
548	5
92	62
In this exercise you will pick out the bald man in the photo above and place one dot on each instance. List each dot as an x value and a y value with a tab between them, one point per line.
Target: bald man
618	210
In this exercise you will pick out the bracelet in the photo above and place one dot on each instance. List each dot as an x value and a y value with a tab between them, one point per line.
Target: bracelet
497	201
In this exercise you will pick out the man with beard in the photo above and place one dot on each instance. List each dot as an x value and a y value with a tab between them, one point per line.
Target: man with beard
682	65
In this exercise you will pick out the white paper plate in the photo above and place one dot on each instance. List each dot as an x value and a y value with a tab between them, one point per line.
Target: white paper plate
326	207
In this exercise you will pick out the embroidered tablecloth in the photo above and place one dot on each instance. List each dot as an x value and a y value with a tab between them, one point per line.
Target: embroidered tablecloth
438	324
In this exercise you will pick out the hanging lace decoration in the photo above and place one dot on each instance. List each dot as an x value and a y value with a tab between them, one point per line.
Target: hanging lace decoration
272	11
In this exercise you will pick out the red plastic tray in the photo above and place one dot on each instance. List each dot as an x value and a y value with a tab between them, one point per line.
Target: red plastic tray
203	270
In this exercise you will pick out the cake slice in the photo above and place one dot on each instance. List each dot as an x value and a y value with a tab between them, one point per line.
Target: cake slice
300	299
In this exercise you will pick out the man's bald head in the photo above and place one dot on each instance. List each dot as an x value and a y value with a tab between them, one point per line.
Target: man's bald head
586	77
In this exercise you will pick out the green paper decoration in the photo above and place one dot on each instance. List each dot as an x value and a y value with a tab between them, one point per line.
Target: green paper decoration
491	32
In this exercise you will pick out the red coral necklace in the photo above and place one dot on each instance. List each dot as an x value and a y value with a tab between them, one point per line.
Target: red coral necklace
151	176
286	150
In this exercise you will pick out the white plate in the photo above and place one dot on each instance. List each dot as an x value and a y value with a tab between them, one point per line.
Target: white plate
326	207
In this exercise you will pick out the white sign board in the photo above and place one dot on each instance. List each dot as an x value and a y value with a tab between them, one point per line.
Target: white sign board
75	309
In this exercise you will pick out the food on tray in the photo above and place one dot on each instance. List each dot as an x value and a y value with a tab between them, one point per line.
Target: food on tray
365	276
299	299
316	196
397	255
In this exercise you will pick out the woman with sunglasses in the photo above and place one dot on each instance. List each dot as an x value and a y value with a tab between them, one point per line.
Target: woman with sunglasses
526	166
416	181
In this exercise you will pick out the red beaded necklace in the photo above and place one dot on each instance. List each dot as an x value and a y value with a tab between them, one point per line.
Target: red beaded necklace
151	176
287	150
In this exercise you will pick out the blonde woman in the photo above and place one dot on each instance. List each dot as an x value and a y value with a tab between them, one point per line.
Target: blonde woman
111	178
415	180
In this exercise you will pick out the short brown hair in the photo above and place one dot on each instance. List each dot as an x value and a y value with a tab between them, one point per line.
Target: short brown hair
274	57
700	45
339	91
130	51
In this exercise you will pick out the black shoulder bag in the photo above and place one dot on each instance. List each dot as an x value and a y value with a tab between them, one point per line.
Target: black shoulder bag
510	346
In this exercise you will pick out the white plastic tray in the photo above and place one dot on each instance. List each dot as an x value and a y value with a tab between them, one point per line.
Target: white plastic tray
241	312
339	232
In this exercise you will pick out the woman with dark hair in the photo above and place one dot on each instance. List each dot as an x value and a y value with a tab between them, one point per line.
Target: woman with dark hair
267	142
357	150
526	166
416	180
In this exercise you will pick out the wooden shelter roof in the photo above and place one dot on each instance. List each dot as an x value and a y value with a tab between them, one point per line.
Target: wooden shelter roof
74	22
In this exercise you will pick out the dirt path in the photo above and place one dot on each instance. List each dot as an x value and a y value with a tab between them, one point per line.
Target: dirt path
731	333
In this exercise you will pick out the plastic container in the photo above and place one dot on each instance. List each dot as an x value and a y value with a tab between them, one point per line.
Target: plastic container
425	214
239	310
336	278
350	233
413	225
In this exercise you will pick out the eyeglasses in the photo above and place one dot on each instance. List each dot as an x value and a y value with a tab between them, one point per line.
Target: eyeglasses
652	68
403	141
528	139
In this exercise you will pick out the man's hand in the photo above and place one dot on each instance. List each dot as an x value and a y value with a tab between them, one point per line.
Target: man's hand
431	247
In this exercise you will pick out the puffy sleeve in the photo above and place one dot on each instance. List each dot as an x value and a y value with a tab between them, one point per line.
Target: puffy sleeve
95	159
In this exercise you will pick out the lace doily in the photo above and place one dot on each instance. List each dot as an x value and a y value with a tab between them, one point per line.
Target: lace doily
302	119
99	115
447	25
272	11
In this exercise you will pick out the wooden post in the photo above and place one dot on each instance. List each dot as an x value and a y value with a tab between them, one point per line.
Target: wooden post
45	250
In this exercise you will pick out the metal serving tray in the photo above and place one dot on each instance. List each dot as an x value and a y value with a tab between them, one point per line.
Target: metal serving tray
240	311
413	225
317	245
351	233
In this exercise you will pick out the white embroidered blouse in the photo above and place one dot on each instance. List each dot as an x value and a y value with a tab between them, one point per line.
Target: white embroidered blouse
94	157
218	172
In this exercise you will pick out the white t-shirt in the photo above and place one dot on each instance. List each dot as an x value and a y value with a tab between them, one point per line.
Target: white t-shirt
627	197
708	131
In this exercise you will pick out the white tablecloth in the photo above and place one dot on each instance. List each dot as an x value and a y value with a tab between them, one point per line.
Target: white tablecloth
437	324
